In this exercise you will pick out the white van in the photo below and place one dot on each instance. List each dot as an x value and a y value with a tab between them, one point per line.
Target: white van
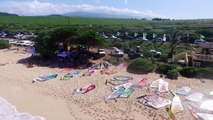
24	43
116	52
199	41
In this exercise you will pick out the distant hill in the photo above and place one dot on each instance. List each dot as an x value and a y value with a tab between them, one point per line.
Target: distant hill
7	14
95	15
54	15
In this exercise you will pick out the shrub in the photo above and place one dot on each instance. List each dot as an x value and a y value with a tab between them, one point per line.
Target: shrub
193	72
141	66
4	44
163	58
164	68
147	54
173	74
190	72
206	72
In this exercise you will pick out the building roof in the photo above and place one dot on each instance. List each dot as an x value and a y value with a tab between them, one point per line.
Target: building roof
206	45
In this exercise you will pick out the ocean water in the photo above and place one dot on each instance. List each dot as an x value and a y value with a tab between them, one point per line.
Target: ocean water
8	112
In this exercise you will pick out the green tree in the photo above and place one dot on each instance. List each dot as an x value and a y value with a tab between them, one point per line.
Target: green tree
45	45
47	42
4	44
65	35
89	38
174	36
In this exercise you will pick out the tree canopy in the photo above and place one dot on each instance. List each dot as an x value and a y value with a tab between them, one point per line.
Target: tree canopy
47	42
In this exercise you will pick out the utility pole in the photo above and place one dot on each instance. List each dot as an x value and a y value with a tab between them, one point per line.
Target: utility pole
68	21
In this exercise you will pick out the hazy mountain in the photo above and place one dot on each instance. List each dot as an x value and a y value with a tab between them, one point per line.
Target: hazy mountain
54	15
95	15
7	14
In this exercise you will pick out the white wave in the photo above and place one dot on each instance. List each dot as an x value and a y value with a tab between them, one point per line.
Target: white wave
9	112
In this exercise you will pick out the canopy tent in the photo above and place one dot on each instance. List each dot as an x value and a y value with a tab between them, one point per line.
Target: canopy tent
33	51
63	54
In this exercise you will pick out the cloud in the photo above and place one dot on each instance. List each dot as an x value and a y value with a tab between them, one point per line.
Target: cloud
35	8
125	1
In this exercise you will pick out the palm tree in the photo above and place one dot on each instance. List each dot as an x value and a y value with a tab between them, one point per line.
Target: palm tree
175	40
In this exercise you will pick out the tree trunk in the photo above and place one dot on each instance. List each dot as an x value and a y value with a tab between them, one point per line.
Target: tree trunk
171	52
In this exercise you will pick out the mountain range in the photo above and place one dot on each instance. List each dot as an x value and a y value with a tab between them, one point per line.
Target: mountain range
80	14
94	15
7	14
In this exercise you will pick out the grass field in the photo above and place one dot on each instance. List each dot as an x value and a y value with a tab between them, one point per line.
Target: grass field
66	21
15	23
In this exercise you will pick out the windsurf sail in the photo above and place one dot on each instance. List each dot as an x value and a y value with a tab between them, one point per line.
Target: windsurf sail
83	90
46	77
176	104
127	92
72	74
160	85
117	82
115	94
154	101
183	91
123	78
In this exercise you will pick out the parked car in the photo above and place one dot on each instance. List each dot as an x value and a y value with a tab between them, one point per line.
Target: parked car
116	52
127	50
101	52
134	55
13	41
155	53
199	41
24	43
32	44
19	43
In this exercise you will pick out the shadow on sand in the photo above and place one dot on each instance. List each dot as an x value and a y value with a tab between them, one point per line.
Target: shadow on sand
53	63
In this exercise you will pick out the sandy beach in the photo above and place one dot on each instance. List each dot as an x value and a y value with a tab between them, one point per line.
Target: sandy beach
53	99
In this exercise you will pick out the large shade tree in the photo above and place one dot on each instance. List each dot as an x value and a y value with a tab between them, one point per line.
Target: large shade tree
90	38
45	45
47	42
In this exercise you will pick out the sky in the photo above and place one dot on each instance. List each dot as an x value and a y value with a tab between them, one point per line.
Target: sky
173	9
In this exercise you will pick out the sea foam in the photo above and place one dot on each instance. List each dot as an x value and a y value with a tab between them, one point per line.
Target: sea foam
8	112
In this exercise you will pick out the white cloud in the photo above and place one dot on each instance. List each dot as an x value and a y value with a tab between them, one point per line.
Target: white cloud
125	1
35	7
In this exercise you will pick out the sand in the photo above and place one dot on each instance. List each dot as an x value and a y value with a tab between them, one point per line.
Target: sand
53	99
